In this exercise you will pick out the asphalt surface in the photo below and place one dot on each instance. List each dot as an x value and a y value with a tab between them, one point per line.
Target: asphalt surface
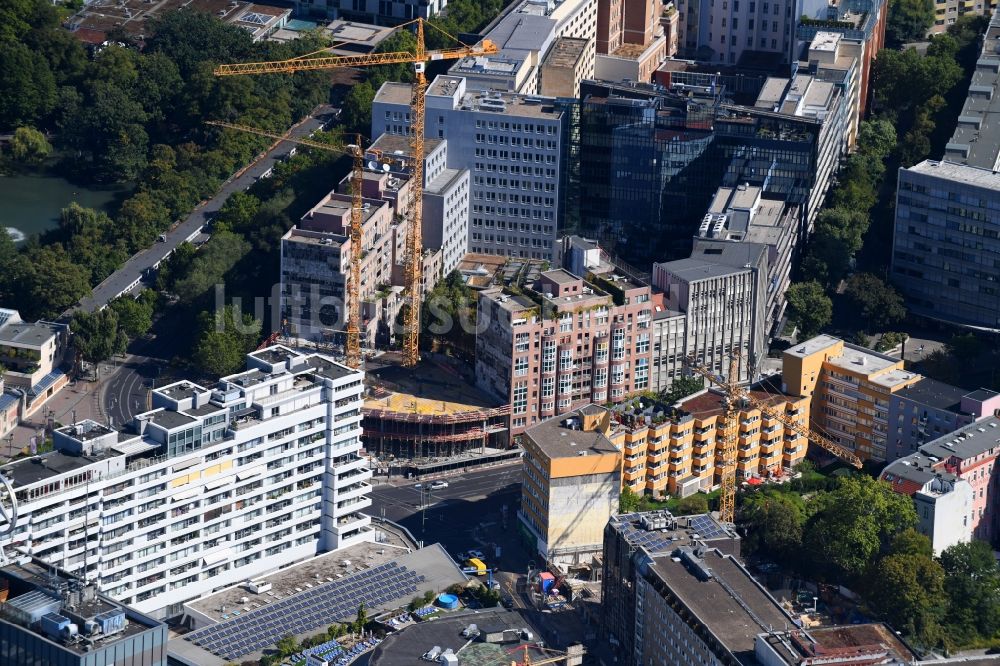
460	516
138	266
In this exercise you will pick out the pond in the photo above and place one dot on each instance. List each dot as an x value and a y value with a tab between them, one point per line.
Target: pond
30	203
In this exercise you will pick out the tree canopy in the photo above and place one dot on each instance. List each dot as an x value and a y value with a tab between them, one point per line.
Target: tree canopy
810	308
854	524
909	20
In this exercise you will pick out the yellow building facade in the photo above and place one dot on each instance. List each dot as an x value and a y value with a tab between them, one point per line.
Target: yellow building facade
676	449
849	389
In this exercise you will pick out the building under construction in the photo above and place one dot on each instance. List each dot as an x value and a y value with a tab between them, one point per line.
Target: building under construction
431	412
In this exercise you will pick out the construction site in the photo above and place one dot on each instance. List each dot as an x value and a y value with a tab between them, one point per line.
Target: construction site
430	417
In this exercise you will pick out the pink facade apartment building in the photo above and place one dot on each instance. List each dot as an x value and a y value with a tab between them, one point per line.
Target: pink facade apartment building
560	342
970	453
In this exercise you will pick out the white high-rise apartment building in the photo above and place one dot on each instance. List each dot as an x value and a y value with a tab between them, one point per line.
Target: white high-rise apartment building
211	487
512	146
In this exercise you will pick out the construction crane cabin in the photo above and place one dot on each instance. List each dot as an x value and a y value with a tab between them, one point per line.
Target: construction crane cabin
735	398
413	268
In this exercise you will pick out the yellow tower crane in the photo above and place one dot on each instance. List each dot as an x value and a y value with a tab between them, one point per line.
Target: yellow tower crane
352	294
413	267
734	397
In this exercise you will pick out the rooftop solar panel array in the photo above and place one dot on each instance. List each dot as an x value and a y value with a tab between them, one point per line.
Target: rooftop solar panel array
706	527
307	610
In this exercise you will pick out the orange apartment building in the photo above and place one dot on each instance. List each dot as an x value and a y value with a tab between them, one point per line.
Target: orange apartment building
849	388
675	449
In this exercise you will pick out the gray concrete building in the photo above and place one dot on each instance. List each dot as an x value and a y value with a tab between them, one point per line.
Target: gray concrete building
946	243
744	215
946	240
721	289
929	409
527	34
511	144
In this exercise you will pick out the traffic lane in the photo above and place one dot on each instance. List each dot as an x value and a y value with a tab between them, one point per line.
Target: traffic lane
126	394
407	498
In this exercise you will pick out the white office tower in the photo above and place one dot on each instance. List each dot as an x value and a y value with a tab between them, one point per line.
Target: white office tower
209	488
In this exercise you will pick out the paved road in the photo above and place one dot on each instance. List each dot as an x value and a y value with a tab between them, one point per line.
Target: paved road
457	515
137	267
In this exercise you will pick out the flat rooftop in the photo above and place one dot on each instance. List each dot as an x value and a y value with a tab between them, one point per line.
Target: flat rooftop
960	173
509	104
731	604
566	52
181	390
168	420
403	648
848	642
557	439
38	468
935	394
659	533
400	145
22	334
356	34
34	578
976	141
967	442
296	235
860	359
325	582
811	346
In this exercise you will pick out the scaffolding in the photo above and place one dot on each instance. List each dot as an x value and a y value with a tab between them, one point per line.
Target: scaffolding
417	434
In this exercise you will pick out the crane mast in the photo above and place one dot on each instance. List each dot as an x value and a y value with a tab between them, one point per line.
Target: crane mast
352	294
733	396
413	261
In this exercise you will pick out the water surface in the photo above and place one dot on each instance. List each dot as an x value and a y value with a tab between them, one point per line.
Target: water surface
30	204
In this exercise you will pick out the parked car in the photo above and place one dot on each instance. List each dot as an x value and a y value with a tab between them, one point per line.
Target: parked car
478	554
418	486
438	485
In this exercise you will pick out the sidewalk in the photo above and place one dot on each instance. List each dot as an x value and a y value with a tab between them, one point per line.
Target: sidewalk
80	398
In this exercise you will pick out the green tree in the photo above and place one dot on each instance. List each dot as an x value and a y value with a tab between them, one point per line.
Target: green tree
224	340
909	20
972	583
175	267
51	282
287	645
210	265
772	522
399	41
911	542
810	308
628	501
877	137
135	315
356	112
853	525
97	336
237	213
29	146
27	86
909	591
681	388
879	303
361	620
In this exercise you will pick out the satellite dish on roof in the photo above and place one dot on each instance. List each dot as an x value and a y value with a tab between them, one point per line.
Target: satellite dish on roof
385	168
373	166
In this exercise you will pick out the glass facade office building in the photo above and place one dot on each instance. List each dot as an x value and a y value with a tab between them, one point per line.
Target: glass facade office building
651	159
